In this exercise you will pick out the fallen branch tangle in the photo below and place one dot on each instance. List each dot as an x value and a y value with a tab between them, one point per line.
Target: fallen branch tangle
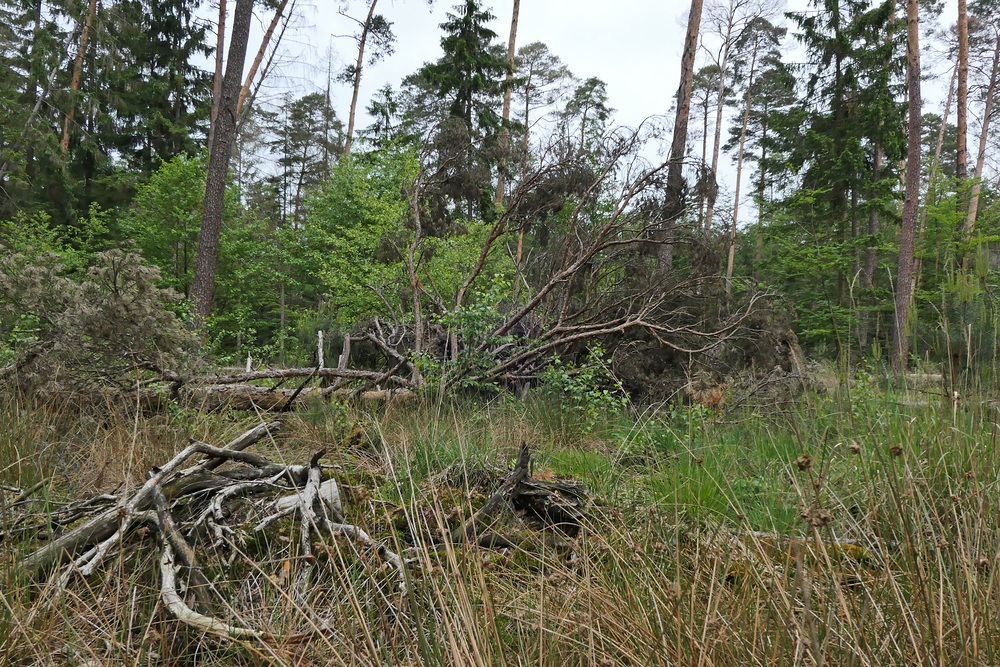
203	494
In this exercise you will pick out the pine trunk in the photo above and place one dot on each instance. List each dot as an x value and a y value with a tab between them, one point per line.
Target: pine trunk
505	135
362	41
675	177
739	176
74	85
904	274
220	44
977	183
932	176
720	103
961	151
218	164
264	43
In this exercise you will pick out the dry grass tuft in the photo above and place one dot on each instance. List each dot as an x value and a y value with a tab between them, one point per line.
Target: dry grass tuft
850	531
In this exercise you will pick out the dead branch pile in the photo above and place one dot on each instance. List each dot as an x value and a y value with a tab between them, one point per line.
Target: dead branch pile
200	505
207	503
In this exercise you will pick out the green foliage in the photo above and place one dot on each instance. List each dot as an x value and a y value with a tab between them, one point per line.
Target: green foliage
589	388
472	70
356	234
473	324
253	258
164	218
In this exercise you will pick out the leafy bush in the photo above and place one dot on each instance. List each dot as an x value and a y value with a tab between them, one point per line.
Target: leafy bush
589	387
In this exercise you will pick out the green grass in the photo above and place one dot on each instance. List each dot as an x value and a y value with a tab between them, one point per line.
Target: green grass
697	549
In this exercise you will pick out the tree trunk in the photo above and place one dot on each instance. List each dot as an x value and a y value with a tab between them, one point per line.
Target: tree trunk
932	176
675	177
868	272
264	43
74	85
703	200
525	143
220	43
904	273
758	253
39	97
961	152
739	175
505	134
977	183
357	77
218	164
720	103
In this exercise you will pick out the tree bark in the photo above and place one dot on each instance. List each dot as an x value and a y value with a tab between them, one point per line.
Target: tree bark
675	177
220	43
505	133
264	43
961	104
720	103
74	85
39	97
357	77
977	183
739	174
932	176
904	273
218	165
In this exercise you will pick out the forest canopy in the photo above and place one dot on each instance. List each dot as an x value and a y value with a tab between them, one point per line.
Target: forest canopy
486	217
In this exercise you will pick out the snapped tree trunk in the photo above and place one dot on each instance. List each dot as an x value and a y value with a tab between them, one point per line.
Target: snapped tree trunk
911	197
357	77
218	165
74	85
264	43
675	177
505	133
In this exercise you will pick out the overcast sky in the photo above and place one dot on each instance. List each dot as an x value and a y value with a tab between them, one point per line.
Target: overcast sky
635	46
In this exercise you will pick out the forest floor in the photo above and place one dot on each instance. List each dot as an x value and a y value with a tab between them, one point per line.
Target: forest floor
846	527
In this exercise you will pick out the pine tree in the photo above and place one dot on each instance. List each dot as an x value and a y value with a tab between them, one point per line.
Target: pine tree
468	82
844	152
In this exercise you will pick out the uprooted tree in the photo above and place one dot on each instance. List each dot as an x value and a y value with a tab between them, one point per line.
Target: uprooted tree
474	316
447	301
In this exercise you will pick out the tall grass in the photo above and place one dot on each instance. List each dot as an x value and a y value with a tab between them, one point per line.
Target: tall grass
851	528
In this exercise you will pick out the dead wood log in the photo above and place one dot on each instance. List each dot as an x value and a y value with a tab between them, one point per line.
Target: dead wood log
110	525
196	495
252	397
284	373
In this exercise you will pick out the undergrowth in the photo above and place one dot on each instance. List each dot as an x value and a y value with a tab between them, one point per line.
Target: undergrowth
855	527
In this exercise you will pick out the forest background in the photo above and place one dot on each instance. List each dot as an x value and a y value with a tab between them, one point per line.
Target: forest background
476	170
741	356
